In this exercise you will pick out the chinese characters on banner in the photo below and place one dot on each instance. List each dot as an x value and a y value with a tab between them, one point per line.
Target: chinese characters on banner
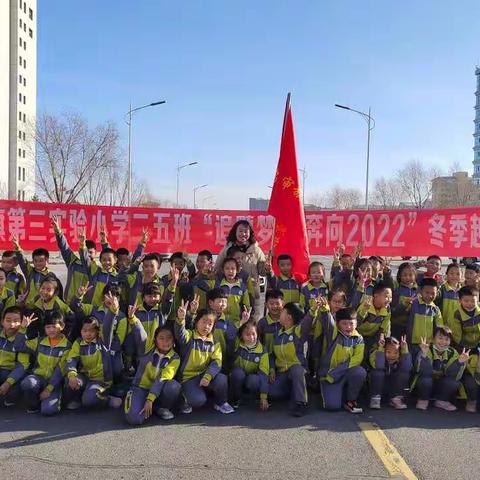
447	232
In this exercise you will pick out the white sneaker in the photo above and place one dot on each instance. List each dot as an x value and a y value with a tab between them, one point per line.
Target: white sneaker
225	408
447	406
397	403
73	405
186	408
165	414
376	402
114	402
8	403
422	404
471	406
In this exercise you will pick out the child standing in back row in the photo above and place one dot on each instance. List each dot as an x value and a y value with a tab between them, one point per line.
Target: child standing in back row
447	298
285	281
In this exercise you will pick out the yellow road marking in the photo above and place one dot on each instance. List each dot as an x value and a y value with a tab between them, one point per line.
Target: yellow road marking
388	454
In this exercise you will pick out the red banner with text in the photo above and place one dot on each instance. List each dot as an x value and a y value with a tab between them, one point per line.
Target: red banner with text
446	232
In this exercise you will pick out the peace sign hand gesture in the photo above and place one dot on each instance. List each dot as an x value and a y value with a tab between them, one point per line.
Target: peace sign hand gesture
424	346
28	319
195	304
464	356
182	310
246	312
132	309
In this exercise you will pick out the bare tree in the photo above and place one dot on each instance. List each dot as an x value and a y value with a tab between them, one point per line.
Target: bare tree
454	168
338	198
415	182
386	193
72	159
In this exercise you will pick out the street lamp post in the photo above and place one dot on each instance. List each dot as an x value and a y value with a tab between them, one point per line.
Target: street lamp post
304	176
181	167
129	123
195	193
369	119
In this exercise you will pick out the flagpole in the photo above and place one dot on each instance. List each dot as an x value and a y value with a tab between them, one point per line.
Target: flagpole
287	108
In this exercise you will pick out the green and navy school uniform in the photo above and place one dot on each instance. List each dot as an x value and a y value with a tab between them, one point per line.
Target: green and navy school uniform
98	277
198	356
372	321
288	345
201	284
133	286
11	360
7	299
471	367
341	352
33	278
254	361
288	286
171	295
225	333
309	293
15	282
238	298
50	362
447	301
360	292
151	318
379	362
466	327
154	368
267	328
400	303
422	321
93	359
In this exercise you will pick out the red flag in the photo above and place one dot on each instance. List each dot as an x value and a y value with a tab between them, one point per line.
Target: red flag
290	235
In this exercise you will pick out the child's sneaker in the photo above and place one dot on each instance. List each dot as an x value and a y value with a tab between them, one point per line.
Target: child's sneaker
225	408
449	407
33	410
73	405
422	404
376	402
352	407
471	406
236	404
299	410
8	403
114	402
165	414
397	403
186	408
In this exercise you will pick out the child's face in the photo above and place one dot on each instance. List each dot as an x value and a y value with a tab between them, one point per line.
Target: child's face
40	262
471	278
376	267
285	267
123	260
164	341
152	299
9	263
454	276
382	299
92	253
203	263
230	270
179	264
347	327
53	330
47	291
441	342
469	302
205	324
89	332
316	274
392	353
218	305
346	261
286	320
336	303
428	293
11	323
249	335
3	279
240	258
433	265
274	306
108	261
408	277
150	268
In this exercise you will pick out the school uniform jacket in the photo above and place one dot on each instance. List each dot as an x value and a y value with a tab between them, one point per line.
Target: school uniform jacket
11	359
372	321
422	321
466	327
379	362
287	285
309	293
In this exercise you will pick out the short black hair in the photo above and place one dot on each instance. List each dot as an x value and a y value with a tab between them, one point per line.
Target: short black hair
151	288
215	293
40	252
53	318
434	257
13	309
295	311
113	289
176	255
9	254
205	253
201	313
347	313
250	323
230	260
90	244
315	264
468	292
443	330
428	282
108	250
152	256
274	293
403	266
284	256
337	291
91	321
380	287
51	278
472	266
122	251
231	251
452	265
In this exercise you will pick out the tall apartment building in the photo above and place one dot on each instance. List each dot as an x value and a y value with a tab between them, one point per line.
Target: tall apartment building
18	97
476	134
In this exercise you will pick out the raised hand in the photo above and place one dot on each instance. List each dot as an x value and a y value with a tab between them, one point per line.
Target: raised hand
28	319
55	224
336	254
111	301
195	304
424	346
21	298
81	235
246	313
386	266
403	342
464	356
321	301
182	310
103	234
145	235
15	242
175	275
132	309
83	289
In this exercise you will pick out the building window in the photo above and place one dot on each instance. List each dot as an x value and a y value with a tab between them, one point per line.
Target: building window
20	173
19	134
23	135
24	82
24	63
20	79
20	41
23	176
24	118
24	8
30	14
20	61
24	45
23	195
25	27
20	116
30	32
24	99
20	21
20	153
18	195
24	154
20	97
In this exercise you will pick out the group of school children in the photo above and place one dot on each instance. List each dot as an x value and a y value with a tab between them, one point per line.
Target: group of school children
119	333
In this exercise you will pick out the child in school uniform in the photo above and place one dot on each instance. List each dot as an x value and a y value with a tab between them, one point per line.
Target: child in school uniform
288	378
154	388
471	380
342	271
201	362
239	255
447	297
314	287
15	280
89	363
285	281
42	388
472	276
13	364
364	282
340	372
391	364
251	367
465	324
269	325
433	266
7	297
439	369
405	290
205	273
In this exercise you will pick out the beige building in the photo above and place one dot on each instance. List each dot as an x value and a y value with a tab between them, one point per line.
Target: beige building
456	190
18	97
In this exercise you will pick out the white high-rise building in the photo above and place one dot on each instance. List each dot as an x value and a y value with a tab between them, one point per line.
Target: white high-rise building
18	97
